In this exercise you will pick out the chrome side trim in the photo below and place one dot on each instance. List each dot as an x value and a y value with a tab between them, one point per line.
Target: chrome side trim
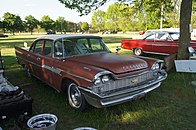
155	53
29	61
78	76
56	70
51	68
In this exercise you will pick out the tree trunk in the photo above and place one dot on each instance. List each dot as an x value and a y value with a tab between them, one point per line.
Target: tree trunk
185	20
13	32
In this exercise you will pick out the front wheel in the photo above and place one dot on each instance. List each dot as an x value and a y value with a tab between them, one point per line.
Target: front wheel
137	51
76	98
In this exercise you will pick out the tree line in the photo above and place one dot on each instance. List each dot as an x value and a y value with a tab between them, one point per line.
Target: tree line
148	14
13	23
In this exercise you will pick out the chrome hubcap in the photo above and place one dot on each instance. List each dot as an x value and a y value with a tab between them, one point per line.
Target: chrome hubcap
138	52
74	96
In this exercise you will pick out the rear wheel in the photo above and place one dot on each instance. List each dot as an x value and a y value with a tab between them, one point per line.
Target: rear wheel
138	51
75	97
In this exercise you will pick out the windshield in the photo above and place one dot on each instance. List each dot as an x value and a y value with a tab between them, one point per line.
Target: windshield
80	46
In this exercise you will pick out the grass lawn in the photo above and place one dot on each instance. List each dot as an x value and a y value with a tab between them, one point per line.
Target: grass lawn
170	107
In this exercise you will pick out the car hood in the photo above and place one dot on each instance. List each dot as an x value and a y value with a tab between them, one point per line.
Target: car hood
113	62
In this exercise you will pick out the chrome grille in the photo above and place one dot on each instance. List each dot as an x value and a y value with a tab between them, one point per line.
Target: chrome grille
123	83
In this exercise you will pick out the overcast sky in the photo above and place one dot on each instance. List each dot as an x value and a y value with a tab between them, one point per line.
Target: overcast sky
39	8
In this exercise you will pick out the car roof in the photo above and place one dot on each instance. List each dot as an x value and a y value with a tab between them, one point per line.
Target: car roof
60	36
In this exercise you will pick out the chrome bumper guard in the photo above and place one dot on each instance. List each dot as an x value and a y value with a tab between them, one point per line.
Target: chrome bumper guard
121	96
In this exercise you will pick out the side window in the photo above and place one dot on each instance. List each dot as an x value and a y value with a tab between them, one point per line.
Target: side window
150	37
47	50
162	36
38	47
58	49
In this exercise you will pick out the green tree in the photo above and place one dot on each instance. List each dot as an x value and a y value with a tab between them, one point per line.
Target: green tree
79	26
193	18
31	23
47	23
13	22
127	20
84	7
112	17
98	20
61	24
152	14
85	26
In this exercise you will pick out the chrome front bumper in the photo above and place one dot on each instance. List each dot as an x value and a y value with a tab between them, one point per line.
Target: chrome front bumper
121	96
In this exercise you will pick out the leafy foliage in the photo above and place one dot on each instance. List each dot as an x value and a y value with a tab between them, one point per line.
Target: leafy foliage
85	26
61	24
47	23
31	23
98	20
83	6
140	15
13	22
1	24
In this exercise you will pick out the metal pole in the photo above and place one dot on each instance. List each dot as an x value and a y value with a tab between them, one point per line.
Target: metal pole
161	22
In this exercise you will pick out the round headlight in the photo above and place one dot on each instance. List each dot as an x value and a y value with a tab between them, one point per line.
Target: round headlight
97	81
105	78
155	66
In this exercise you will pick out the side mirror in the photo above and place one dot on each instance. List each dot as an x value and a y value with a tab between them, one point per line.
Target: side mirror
117	49
191	51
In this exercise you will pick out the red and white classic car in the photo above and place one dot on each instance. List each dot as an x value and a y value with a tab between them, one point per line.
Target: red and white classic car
83	67
155	42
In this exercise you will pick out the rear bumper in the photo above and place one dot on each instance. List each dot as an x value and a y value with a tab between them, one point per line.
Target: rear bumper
121	96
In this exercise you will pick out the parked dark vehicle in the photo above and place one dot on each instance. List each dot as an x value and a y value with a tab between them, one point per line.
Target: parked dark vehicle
51	32
3	35
84	68
155	42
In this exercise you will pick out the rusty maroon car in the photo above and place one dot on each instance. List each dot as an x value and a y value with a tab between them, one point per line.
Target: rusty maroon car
83	67
155	42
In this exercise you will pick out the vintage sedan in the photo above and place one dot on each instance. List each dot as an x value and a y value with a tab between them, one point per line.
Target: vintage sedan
83	67
155	42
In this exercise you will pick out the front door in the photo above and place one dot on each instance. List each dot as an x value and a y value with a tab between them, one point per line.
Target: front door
35	59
